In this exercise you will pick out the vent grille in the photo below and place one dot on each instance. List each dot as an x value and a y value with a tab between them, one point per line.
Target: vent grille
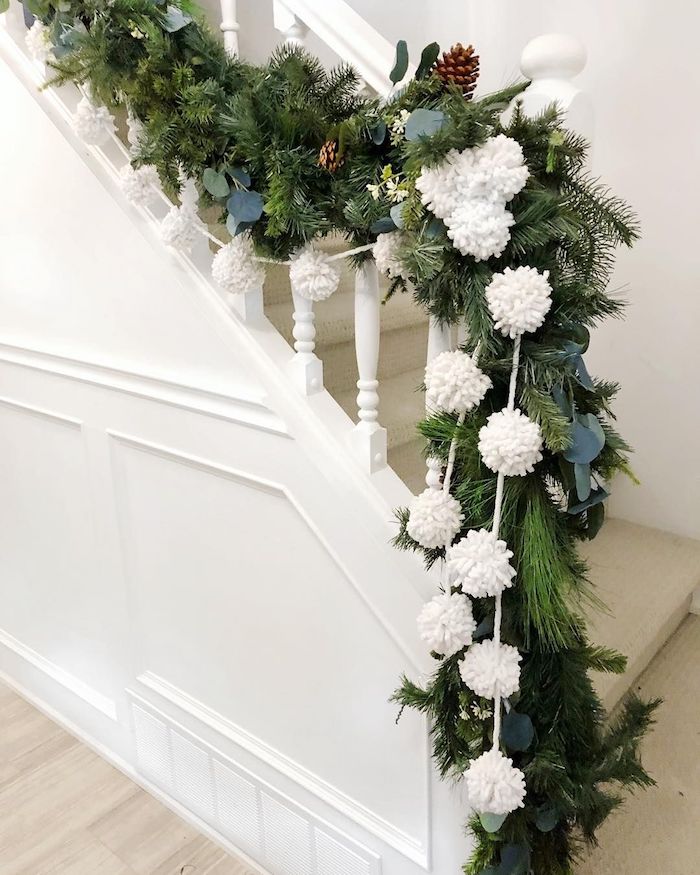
283	837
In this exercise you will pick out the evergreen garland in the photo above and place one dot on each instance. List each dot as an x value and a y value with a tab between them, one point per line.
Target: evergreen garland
258	132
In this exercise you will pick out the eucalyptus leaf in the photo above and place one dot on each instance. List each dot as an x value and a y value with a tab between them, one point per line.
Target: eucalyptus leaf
515	860
4	6
427	59
547	818
423	123
435	228
215	183
582	474
562	401
245	206
378	133
396	213
231	225
175	19
517	731
484	628
400	62
597	495
383	225
595	517
492	822
581	336
239	175
590	420
582	374
585	444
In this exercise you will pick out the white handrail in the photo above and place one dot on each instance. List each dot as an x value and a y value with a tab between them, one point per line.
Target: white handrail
229	26
344	31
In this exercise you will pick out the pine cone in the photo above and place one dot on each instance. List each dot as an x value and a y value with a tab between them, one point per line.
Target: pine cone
459	66
328	157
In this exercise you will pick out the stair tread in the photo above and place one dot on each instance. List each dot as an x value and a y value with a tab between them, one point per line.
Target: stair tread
646	578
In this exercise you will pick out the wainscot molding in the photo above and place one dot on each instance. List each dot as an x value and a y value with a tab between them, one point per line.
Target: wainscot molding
244	410
70	682
41	413
410	847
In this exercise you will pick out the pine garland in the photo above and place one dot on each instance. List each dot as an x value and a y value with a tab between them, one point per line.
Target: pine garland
258	132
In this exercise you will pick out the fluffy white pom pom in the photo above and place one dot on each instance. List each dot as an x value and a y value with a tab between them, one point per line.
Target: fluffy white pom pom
479	564
501	164
180	228
386	254
93	124
312	275
446	623
138	184
480	228
454	383
519	300
510	443
491	669
434	518
234	267
438	185
38	41
494	785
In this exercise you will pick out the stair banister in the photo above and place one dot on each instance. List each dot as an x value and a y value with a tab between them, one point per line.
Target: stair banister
229	26
439	340
368	437
306	367
291	27
551	61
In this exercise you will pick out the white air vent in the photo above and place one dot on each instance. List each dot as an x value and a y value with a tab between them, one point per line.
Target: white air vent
153	747
239	809
332	858
193	780
287	839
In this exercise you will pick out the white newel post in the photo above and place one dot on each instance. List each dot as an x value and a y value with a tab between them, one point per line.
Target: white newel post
306	366
439	340
292	28
229	26
552	61
368	437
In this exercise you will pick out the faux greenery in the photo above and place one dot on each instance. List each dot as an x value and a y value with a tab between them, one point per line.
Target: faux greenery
251	138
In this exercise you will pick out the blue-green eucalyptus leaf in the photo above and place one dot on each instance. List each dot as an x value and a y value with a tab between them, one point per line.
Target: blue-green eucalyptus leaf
245	206
383	225
492	822
423	123
398	71
396	213
215	183
517	731
582	474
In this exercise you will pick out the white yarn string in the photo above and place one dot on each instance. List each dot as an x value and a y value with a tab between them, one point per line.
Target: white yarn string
500	482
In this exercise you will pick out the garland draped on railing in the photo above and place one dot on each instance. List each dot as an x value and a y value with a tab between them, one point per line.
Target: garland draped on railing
493	224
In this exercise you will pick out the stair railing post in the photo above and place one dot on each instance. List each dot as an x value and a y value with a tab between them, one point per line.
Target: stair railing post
439	340
306	366
229	26
368	436
285	21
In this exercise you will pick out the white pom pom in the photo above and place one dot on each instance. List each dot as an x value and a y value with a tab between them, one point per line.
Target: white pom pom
479	564
494	785
386	254
234	267
434	518
181	227
438	185
519	300
510	443
138	184
454	383
501	164
446	623
480	228
38	41
491	669
93	124
313	275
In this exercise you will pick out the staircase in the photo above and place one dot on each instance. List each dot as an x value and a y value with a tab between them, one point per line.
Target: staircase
645	576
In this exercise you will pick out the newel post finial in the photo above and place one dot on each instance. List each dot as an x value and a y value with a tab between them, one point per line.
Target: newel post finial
551	62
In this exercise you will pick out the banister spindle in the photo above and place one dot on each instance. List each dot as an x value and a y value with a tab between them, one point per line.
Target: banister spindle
551	62
439	340
293	29
306	366
369	438
229	26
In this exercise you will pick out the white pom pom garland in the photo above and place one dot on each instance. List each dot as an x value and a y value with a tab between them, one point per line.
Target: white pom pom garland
494	785
479	564
519	300
181	227
313	275
434	518
386	254
234	267
491	669
510	443
139	184
480	229
446	623
38	41
93	124
454	383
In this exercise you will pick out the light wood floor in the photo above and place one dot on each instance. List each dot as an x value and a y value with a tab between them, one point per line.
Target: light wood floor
64	810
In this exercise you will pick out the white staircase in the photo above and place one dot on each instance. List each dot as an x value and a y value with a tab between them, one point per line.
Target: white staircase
189	439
